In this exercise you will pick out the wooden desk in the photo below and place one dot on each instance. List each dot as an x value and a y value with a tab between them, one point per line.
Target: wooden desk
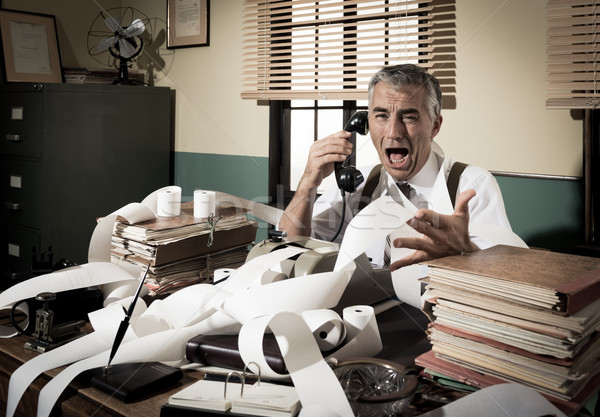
402	334
79	399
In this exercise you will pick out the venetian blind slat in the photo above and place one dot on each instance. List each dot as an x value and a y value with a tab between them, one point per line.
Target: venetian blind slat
303	49
572	64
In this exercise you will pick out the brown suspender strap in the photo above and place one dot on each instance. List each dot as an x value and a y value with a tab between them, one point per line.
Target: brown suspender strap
455	172
373	180
367	194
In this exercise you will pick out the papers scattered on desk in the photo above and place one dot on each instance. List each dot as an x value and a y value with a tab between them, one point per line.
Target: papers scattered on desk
259	399
519	315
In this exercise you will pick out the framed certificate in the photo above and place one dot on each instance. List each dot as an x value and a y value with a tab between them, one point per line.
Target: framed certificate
29	47
187	23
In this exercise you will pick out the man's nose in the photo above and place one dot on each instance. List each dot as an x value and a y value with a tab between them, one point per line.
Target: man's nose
395	128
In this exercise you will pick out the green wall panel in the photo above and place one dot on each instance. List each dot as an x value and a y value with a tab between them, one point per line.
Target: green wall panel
545	213
245	177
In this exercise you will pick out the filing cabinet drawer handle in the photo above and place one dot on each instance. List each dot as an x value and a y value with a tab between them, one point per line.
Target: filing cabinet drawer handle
14	137
13	206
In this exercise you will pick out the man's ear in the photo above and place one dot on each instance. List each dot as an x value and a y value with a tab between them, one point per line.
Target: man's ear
437	125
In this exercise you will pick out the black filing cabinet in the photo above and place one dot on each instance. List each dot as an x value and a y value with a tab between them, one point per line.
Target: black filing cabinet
71	154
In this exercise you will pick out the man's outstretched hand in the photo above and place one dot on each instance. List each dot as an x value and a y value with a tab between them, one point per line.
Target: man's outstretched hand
443	235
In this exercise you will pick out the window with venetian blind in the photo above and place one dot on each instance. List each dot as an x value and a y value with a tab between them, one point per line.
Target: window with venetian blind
573	73
323	50
573	82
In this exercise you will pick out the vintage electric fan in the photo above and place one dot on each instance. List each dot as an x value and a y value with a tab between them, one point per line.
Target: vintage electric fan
117	37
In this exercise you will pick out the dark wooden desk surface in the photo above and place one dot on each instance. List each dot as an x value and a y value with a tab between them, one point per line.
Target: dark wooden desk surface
401	328
79	399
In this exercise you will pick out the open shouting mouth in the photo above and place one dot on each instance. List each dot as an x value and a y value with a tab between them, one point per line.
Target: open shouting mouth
397	156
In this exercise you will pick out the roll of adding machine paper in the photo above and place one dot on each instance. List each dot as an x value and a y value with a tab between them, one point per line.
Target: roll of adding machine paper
204	203
168	202
327	327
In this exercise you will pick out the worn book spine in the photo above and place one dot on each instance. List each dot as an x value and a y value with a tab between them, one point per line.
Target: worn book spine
581	292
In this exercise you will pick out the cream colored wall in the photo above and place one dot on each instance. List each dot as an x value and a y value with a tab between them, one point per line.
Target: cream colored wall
211	117
500	121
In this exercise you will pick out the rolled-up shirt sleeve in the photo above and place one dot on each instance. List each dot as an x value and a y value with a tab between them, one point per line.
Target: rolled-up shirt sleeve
487	207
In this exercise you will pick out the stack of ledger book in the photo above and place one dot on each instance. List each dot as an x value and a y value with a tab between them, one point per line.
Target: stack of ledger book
182	250
519	315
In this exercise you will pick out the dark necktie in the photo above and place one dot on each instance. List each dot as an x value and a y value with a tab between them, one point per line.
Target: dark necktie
406	189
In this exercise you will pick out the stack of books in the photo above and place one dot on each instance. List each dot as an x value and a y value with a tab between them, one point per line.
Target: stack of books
183	250
508	314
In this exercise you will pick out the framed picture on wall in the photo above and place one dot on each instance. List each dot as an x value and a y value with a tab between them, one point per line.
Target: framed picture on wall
187	23
29	47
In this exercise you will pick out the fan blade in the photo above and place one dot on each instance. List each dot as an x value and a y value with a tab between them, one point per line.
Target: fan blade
159	63
103	45
160	38
127	47
136	28
112	23
152	57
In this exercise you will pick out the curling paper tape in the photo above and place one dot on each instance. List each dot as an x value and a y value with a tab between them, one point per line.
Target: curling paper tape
168	202
302	358
105	322
271	276
204	203
81	276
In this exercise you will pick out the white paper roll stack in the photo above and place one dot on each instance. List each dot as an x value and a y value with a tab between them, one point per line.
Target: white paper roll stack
204	203
168	202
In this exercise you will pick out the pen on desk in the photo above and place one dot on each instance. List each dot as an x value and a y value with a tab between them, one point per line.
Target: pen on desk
125	322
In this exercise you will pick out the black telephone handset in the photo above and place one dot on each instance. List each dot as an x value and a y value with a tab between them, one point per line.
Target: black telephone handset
348	178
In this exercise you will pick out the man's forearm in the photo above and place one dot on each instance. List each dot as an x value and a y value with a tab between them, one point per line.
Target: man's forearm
296	219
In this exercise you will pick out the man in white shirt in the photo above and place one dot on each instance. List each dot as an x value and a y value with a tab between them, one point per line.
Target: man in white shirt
404	118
